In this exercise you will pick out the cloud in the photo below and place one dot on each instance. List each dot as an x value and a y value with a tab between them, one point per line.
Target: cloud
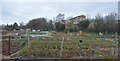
16	12
0	13
25	11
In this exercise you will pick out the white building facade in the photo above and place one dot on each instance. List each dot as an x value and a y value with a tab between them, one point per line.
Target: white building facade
60	17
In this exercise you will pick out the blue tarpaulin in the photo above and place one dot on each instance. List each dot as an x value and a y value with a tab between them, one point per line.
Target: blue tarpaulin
38	38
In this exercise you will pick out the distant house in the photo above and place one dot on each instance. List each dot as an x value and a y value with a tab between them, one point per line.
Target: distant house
72	23
59	18
77	19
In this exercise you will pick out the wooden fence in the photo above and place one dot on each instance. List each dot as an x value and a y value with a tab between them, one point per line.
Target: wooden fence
11	44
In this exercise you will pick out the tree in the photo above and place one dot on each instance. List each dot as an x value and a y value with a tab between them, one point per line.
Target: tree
9	27
22	26
83	25
107	23
70	26
50	25
111	22
98	23
15	26
59	26
38	23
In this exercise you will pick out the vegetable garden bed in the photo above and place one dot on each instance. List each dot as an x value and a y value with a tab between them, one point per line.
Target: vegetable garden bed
51	48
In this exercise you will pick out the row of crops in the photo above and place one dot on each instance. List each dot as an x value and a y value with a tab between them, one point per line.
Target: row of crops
41	49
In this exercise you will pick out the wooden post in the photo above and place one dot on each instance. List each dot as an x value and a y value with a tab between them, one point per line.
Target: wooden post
9	45
116	36
61	48
27	34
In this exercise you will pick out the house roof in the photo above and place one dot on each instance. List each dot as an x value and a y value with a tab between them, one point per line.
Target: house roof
80	16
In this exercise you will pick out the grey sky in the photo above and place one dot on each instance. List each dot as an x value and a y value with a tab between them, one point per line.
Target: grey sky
60	0
24	10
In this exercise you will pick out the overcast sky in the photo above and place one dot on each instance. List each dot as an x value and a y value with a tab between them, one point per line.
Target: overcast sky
25	10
